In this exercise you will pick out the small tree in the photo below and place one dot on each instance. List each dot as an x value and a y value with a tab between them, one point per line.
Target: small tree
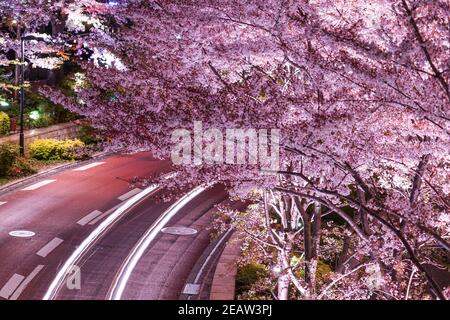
5	123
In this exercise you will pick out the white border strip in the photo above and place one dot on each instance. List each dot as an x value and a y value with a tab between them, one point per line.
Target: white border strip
10	286
49	247
38	185
26	282
129	194
89	217
89	166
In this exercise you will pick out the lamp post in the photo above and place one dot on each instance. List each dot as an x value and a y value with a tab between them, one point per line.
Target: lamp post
22	96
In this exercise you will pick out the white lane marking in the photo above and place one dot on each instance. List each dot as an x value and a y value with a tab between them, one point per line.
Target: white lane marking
60	276
89	217
103	215
11	285
211	254
25	283
2	203
89	166
38	185
120	281
202	268
49	247
191	289
129	194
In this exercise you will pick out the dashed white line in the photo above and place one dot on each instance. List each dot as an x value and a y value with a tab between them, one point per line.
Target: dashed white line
49	247
89	166
191	289
103	215
25	283
2	203
89	217
38	185
129	194
11	285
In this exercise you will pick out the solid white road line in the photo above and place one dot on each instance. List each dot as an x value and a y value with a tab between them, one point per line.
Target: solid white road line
213	251
89	166
129	194
191	289
62	273
25	283
11	285
189	286
38	185
89	217
2	202
120	281
49	247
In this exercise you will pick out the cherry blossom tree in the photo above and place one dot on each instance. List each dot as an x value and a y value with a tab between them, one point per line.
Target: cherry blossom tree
52	30
360	93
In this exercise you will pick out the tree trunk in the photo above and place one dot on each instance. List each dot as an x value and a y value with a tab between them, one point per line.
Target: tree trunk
283	277
315	244
343	256
283	287
363	213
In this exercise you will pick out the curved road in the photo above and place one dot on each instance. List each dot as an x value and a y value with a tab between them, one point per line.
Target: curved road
62	210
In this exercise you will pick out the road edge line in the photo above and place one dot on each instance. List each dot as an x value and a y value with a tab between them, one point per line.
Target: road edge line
120	281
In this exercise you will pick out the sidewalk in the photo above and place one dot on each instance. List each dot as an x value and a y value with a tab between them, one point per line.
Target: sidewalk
224	282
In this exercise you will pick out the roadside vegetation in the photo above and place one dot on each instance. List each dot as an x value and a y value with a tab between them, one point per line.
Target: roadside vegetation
43	154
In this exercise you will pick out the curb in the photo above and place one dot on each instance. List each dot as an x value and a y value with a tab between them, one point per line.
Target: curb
28	180
204	267
224	281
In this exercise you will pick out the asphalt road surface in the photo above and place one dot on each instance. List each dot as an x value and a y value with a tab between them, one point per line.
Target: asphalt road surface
60	212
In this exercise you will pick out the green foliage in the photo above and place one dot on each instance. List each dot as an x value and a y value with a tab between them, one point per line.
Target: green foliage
4	124
52	149
49	113
21	167
89	135
45	149
248	275
8	155
323	272
72	149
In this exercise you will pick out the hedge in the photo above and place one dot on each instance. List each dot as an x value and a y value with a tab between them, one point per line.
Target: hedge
53	149
8	155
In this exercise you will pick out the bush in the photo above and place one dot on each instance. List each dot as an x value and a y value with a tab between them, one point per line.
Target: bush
249	275
89	135
5	123
72	149
21	167
8	155
52	149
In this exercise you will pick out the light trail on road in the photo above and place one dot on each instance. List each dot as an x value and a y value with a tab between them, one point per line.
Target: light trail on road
120	281
94	235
